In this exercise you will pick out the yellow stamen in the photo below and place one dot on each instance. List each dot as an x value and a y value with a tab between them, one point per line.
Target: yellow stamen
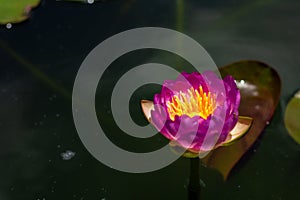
192	103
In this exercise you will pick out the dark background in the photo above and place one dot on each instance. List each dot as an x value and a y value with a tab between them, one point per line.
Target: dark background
39	60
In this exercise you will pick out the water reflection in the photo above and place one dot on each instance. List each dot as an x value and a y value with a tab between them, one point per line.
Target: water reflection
194	186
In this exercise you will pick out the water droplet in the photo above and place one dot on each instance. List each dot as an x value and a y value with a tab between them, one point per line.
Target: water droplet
239	186
57	115
103	192
267	122
58	146
297	95
90	1
202	183
68	155
8	25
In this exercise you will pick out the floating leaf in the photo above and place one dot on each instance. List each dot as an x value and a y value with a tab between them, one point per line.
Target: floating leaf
292	117
15	11
260	88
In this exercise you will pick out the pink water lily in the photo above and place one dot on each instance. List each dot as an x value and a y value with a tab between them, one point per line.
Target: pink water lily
198	112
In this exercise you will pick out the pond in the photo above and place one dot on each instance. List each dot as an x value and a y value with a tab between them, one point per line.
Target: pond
42	155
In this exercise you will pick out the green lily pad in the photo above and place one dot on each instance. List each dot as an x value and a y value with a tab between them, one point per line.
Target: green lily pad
260	88
292	117
15	11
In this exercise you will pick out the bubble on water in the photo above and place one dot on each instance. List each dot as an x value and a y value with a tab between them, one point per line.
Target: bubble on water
8	25
57	115
58	146
68	155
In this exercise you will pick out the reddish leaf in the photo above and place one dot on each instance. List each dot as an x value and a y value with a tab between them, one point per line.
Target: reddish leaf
260	88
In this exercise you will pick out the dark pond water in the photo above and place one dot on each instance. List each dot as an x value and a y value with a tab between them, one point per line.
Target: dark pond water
41	155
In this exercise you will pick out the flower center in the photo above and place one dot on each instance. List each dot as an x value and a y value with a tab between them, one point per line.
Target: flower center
192	103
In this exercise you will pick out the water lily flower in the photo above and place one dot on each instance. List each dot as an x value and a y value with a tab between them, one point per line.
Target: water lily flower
198	112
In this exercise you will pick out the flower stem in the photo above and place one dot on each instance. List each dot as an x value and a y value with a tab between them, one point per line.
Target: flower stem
194	187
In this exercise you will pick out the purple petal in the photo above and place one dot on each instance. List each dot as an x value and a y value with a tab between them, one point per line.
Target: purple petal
196	133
